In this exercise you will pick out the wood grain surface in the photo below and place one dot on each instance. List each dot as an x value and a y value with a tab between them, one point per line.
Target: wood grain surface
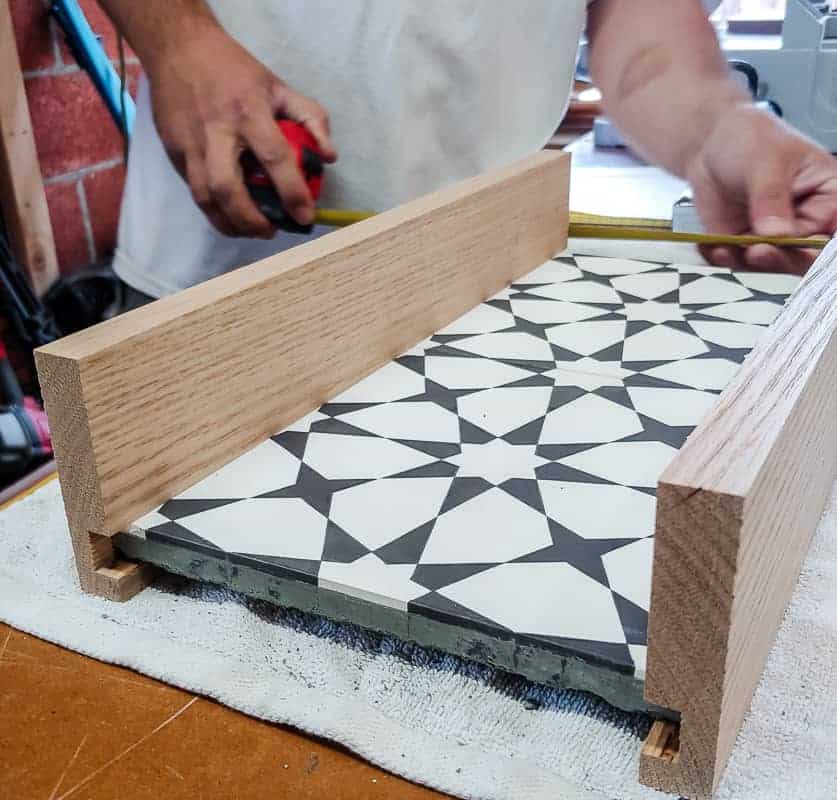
22	198
146	404
736	511
77	729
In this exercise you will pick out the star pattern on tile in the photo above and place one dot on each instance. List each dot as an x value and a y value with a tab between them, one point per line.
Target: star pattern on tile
501	474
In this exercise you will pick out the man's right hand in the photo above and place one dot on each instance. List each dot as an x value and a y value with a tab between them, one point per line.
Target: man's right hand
212	100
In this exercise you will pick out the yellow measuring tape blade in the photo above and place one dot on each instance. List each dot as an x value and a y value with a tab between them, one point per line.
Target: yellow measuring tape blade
596	226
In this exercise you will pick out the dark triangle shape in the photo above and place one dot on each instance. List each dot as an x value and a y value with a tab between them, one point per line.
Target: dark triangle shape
634	326
633	618
670	297
616	394
627	297
552	452
640	366
438	469
526	491
437	607
612	353
676	325
535	380
298	569
689	277
337	427
175	509
471	434
650	381
435	449
440	395
562	472
293	441
336	409
527	434
437	576
561	395
415	363
562	354
533	328
502	305
462	490
339	546
172	533
406	549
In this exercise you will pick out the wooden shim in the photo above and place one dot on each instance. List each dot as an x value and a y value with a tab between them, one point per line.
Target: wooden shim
146	404
22	198
736	511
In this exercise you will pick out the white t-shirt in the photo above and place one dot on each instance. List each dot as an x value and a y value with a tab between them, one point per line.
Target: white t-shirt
421	93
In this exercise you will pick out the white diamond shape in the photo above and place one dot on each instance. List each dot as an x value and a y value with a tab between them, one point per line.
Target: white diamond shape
701	373
512	345
265	468
284	527
578	292
551	272
586	338
371	579
552	312
335	457
676	407
482	319
647	286
491	527
589	418
471	373
629	571
500	411
728	334
628	463
599	511
379	512
422	421
770	282
756	312
497	461
661	343
652	311
712	290
391	382
541	600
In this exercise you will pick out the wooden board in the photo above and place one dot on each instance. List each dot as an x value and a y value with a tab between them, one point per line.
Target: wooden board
144	405
22	199
736	511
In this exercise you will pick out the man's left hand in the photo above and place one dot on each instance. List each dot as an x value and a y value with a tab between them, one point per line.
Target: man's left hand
754	174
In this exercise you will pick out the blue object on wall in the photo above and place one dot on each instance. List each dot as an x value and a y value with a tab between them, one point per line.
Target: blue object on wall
91	57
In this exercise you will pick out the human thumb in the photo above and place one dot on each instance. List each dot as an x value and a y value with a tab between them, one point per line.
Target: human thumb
769	198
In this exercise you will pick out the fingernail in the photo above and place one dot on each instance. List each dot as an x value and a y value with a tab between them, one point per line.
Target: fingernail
774	226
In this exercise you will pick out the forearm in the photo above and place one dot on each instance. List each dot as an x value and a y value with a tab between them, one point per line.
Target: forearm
156	27
663	78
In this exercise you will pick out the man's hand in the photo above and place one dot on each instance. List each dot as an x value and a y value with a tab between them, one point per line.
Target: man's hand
212	100
755	173
669	89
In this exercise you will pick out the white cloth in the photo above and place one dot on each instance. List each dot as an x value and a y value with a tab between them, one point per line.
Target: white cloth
421	93
468	737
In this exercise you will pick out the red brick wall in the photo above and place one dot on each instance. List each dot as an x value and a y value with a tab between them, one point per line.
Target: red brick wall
79	145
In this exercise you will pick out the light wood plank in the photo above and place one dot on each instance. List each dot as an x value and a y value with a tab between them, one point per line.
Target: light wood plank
144	405
736	512
22	198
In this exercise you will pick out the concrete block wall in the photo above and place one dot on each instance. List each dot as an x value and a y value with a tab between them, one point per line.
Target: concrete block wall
79	145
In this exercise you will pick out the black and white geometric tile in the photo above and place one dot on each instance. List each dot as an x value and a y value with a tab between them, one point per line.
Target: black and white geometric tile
502	473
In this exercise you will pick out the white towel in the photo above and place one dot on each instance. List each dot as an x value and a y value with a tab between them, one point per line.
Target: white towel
469	731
